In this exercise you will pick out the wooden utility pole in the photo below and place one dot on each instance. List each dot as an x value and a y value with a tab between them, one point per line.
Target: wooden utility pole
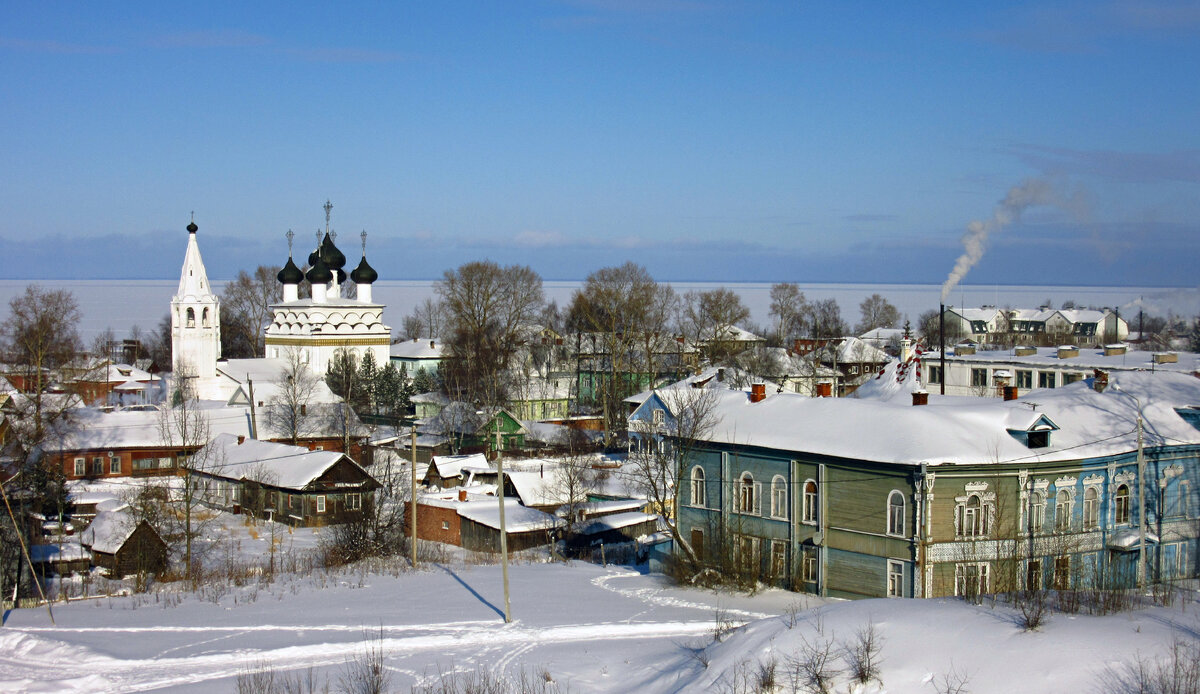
253	415
503	528
18	529
413	492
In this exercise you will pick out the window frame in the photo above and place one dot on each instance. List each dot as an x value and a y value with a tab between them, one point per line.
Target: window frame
979	377
353	501
896	514
320	503
749	495
1064	510
80	466
894	579
699	487
1121	505
811	499
1091	508
114	465
779	498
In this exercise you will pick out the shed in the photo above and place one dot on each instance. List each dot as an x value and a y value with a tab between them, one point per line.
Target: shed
526	527
619	527
123	544
447	470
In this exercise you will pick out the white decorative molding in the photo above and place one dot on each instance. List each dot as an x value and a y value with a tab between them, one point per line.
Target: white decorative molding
1065	481
1174	470
1041	485
1124	477
1095	480
976	487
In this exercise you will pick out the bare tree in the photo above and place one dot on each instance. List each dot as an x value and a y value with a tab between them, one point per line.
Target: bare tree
708	317
877	312
656	470
486	306
788	307
287	409
248	300
615	307
39	337
576	477
825	319
185	427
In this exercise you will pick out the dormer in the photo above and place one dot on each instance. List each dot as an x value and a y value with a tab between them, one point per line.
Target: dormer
1036	433
1191	415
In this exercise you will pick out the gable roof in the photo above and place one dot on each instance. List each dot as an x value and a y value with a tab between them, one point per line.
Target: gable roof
266	462
109	530
452	465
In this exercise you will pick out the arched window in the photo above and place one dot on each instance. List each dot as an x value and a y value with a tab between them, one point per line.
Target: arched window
699	495
1121	503
810	502
1091	509
895	513
973	518
1037	507
191	317
779	497
748	495
204	317
1062	510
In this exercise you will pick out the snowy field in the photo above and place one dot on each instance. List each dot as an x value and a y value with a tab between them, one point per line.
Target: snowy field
589	628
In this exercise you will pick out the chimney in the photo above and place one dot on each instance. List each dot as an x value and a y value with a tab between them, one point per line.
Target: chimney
1067	351
1165	358
1099	380
824	390
241	440
720	375
758	392
1114	350
431	344
462	495
920	397
1010	392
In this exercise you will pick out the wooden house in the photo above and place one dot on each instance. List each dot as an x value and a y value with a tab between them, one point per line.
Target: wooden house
469	429
949	496
526	527
290	484
123	545
446	471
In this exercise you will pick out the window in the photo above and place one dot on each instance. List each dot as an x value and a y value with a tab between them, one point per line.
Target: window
895	514
1024	379
748	495
979	377
204	317
779	497
972	579
1047	379
445	525
1033	574
1072	378
810	502
191	317
935	374
1037	509
114	465
973	517
809	568
1062	573
747	558
80	467
656	417
320	503
1121	505
895	579
698	543
778	559
699	492
1091	509
1062	510
270	499
353	502
1038	439
97	465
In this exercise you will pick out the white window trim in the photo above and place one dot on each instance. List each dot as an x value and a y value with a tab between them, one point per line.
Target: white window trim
700	485
810	509
779	486
903	511
320	503
893	564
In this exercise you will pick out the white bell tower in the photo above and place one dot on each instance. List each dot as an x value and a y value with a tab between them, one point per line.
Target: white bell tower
195	318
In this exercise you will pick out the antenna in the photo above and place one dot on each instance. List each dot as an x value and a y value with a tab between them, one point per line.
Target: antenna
290	235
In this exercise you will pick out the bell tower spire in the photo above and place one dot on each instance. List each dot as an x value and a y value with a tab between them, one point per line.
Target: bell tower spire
195	317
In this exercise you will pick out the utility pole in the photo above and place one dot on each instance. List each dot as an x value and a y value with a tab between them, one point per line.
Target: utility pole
503	528
1141	464
253	416
413	492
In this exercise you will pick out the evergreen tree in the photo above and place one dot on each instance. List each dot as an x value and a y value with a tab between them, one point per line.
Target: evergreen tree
423	382
342	377
368	376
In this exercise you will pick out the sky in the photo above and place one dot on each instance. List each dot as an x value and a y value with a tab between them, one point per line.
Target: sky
706	140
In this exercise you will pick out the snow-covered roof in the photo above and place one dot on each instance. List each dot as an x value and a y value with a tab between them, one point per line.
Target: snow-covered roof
118	373
1088	358
540	488
109	530
726	377
853	349
452	465
953	430
430	349
592	508
276	464
617	520
517	518
67	551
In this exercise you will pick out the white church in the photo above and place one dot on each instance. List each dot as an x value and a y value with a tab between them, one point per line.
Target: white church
311	329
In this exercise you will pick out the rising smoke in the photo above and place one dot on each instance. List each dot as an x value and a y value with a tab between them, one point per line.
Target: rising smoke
1020	198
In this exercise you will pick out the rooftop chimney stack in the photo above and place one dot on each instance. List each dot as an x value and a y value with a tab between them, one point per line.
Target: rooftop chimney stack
758	392
920	397
1010	392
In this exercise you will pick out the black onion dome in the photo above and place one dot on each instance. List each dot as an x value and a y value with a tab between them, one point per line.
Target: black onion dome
364	273
312	257
319	273
331	255
192	228
341	275
290	274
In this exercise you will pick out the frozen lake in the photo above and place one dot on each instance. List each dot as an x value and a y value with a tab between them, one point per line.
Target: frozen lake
121	304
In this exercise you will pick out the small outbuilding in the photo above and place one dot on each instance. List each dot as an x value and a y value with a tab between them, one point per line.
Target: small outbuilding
123	544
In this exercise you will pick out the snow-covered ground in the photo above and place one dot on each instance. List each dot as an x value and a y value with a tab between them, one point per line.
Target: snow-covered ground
591	628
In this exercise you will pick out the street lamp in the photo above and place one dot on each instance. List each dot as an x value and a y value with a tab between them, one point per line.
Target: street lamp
1141	465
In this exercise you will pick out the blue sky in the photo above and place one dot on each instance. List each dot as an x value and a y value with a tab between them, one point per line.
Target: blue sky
725	141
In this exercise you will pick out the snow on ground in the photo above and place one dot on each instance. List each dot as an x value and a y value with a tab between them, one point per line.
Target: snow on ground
593	628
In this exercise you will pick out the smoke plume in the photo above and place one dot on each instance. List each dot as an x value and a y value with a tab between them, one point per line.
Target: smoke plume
1020	197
